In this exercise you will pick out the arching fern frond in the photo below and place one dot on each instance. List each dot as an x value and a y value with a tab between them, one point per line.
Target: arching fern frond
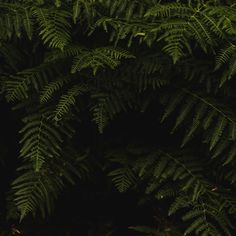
107	105
100	113
208	216
99	58
176	24
15	19
198	21
227	58
175	37
68	100
40	140
18	86
84	10
225	55
206	113
54	26
148	72
170	10
158	169
69	51
178	167
38	191
123	176
35	190
52	87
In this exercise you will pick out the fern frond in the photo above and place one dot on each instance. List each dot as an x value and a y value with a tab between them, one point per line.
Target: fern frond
177	168
108	105
123	178
85	10
52	87
54	26
207	112
76	9
172	105
225	55
207	215
231	156
125	9
40	140
15	19
175	37
33	191
203	30
170	10
100	114
211	22
167	191
99	58
68	52
68	100
18	86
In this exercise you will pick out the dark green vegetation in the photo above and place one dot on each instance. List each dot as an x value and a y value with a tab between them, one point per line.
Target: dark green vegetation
137	95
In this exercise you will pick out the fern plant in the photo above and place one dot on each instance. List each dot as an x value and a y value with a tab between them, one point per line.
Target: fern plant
65	64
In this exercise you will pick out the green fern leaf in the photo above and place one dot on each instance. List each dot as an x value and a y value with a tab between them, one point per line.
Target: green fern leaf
54	26
76	10
100	115
123	178
18	86
41	140
224	55
220	126
99	58
68	100
49	90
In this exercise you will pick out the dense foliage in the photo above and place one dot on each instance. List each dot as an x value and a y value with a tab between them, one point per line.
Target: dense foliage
65	64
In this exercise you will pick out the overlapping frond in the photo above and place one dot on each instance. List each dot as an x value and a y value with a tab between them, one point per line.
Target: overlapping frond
15	19
68	100
68	52
99	58
205	211
37	191
176	24
227	58
123	177
18	86
175	44
51	88
108	105
217	120
54	26
179	167
157	166
40	140
208	216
